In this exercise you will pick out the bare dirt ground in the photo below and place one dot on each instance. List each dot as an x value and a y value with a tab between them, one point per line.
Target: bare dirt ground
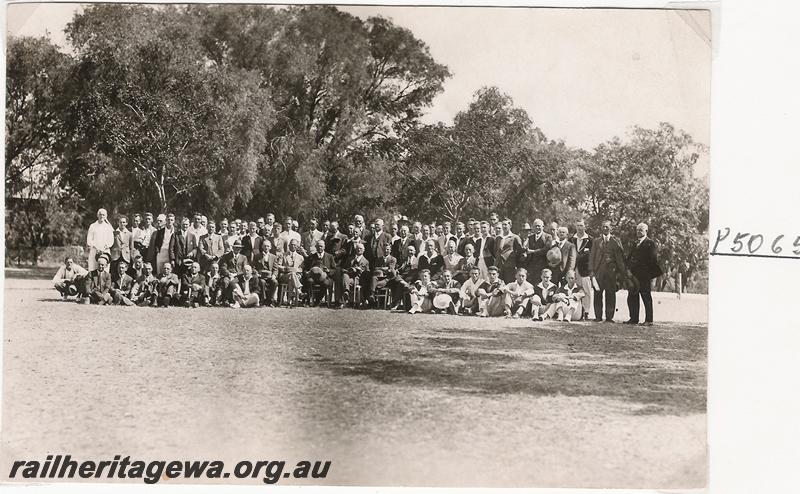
391	399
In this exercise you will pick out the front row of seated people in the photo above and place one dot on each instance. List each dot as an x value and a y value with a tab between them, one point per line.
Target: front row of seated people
315	276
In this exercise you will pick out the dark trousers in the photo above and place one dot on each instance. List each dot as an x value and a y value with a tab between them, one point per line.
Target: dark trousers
607	282
642	291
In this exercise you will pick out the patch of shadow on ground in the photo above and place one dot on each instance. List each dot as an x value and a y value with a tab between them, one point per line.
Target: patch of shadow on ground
494	366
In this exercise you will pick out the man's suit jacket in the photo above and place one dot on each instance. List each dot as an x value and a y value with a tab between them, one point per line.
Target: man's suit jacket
507	249
252	283
583	248
122	246
250	245
569	255
537	255
99	282
435	264
211	247
291	262
357	266
266	265
193	245
334	243
123	285
462	244
325	262
375	245
606	256
309	239
642	261
178	248
487	246
189	279
384	266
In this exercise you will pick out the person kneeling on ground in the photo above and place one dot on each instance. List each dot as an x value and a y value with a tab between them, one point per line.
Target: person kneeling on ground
542	306
193	287
167	286
68	278
245	293
519	294
121	289
568	299
492	296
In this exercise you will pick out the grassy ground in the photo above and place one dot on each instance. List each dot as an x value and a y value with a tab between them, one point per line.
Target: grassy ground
391	399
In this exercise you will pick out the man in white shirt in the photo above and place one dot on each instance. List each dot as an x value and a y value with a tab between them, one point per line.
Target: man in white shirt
469	292
100	238
583	246
519	294
288	234
67	278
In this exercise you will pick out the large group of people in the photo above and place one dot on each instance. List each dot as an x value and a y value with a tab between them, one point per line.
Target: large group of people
479	268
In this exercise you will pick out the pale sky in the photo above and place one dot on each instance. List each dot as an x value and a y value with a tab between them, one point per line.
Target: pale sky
583	75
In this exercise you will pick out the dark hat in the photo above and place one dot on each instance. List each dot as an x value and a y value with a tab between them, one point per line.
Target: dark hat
237	243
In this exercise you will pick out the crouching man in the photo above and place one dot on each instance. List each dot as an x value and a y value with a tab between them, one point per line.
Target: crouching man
69	278
542	307
567	300
469	292
492	296
519	294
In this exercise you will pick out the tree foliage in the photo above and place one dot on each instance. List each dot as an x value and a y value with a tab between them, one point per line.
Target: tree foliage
160	123
649	178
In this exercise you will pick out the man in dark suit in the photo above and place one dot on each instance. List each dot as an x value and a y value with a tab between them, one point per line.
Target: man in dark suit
334	240
508	247
539	243
179	247
568	256
251	243
377	241
643	264
606	261
583	245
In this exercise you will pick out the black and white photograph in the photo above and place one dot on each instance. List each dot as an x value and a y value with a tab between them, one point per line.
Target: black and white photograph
340	245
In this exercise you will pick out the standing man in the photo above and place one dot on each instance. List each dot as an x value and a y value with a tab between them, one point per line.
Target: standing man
643	264
100	238
606	260
377	242
508	247
583	245
122	247
211	247
539	243
288	235
311	236
251	243
569	255
141	236
179	247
